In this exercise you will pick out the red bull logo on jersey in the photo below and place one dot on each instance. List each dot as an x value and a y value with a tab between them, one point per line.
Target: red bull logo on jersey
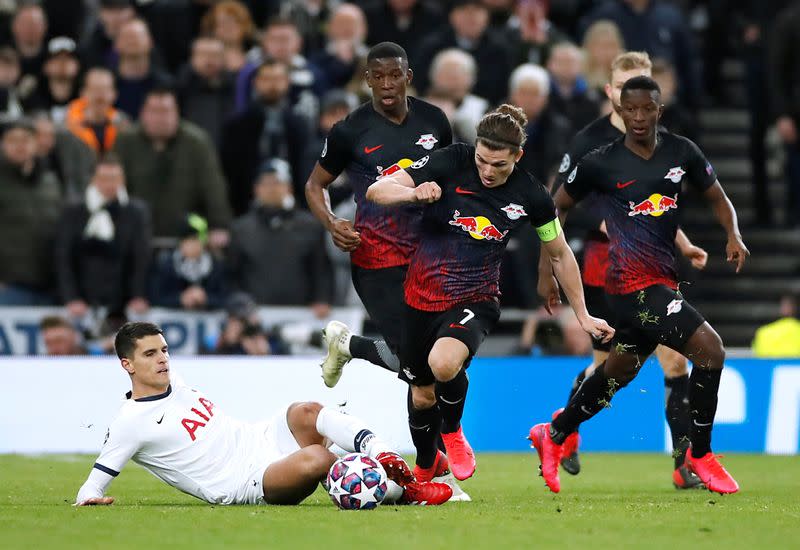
675	174
478	227
401	164
654	205
514	211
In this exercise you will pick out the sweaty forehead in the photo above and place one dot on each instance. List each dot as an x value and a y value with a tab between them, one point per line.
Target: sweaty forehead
386	64
640	96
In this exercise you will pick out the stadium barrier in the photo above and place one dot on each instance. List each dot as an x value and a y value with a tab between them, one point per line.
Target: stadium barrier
57	405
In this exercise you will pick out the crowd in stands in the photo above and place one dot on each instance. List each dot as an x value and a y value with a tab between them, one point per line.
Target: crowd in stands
154	152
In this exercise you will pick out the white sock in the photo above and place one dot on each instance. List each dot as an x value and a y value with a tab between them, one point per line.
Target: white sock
349	433
393	492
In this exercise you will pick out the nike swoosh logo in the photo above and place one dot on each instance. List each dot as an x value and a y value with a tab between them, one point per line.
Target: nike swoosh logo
455	325
626	184
456	402
585	411
461	191
369	150
696	423
160	419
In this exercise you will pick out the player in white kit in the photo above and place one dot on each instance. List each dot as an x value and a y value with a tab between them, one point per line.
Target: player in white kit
184	439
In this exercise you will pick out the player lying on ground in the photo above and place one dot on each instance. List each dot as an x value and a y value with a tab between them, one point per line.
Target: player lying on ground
181	437
601	132
473	196
641	216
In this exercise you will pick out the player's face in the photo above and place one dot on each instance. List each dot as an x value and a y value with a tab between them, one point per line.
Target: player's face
618	80
640	111
388	79
149	365
494	167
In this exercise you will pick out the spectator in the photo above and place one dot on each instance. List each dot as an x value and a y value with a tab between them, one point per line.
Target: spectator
500	12
92	117
784	74
403	22
531	33
171	164
241	332
657	28
230	22
453	73
676	118
309	17
10	105
29	31
103	247
468	31
570	94
268	129
206	87
548	132
60	337
276	242
189	276
135	72
98	48
780	338
559	334
30	202
59	84
343	60
65	155
602	43
280	42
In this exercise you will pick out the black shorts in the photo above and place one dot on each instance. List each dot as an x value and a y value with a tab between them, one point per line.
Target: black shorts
653	316
467	323
381	292
597	306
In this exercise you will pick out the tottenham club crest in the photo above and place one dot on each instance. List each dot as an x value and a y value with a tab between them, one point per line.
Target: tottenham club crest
565	162
427	141
514	211
674	306
675	174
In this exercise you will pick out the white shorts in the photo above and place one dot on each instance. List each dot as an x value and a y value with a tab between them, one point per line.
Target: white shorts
278	442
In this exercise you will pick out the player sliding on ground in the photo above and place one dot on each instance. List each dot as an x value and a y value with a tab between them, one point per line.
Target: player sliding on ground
639	176
181	437
473	196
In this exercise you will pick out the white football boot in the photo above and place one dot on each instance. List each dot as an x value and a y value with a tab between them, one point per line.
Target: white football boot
337	338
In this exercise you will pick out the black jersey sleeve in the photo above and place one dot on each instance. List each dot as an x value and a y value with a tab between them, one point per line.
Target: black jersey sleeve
337	152
577	148
543	215
439	165
701	173
581	179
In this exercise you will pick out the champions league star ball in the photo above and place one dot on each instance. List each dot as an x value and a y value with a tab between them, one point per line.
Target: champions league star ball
356	482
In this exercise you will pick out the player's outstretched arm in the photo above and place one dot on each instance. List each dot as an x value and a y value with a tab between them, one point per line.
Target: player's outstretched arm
565	268
92	492
736	252
547	287
399	189
344	235
698	256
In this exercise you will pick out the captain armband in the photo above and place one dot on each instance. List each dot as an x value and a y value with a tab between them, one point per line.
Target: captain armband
549	231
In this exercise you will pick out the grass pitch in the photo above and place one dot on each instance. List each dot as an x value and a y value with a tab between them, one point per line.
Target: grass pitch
618	501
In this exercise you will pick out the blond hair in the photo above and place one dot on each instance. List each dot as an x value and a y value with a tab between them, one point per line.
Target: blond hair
598	71
630	61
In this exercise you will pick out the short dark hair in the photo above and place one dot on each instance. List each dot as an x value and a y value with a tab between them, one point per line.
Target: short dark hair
641	83
161	89
130	333
387	49
269	62
54	321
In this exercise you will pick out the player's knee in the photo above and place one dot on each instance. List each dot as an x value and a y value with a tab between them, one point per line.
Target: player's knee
445	366
423	397
676	366
304	415
317	460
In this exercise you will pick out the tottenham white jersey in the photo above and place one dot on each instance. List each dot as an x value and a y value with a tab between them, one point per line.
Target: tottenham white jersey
183	438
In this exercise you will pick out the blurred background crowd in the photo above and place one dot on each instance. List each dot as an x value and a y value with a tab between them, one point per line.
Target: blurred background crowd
154	152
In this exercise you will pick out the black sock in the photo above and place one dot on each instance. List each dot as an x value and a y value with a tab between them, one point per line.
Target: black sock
592	397
676	394
451	397
425	426
576	384
703	387
376	352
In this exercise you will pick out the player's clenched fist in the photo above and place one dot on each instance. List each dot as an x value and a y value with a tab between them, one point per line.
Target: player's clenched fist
345	237
428	192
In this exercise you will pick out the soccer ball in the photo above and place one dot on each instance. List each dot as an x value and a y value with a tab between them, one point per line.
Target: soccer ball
357	482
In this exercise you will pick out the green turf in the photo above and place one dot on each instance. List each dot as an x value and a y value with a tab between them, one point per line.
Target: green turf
619	501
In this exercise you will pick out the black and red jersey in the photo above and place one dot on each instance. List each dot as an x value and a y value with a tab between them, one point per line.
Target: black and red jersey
367	145
465	232
642	198
595	253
